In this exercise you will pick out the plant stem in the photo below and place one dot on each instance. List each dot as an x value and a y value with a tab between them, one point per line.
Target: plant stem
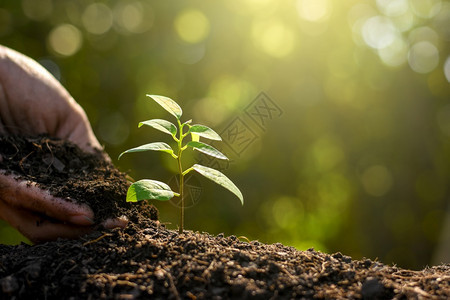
181	193
180	169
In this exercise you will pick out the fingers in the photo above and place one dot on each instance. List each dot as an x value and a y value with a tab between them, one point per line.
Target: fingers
42	217
26	195
120	222
38	228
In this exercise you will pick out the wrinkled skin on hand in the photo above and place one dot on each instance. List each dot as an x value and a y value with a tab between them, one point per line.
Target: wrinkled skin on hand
32	101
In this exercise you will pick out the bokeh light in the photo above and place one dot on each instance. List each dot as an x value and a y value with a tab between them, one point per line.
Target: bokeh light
405	21
379	32
425	8
393	8
37	10
133	17
447	68
423	33
97	18
395	54
273	37
441	22
192	26
423	57
65	39
314	10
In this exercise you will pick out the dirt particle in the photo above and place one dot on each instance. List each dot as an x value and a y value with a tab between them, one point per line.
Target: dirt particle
9	284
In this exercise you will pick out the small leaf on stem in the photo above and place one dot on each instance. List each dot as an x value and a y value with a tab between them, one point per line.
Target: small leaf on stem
168	104
207	149
158	146
220	179
161	125
147	189
205	131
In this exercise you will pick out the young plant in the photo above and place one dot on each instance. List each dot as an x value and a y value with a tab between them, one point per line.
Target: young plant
147	189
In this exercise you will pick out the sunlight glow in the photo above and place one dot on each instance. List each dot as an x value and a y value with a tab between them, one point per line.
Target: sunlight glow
404	22
212	110
37	10
285	213
442	22
133	17
65	40
192	26
314	10
395	54
356	17
423	57
425	8
257	4
379	32
274	38
424	33
447	68
97	18
392	7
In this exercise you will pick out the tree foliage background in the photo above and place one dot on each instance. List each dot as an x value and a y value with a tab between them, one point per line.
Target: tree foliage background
336	114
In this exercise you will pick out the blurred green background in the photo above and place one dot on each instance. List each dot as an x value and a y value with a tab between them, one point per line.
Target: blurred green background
347	150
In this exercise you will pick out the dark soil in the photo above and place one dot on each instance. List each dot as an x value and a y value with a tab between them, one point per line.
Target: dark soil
67	172
146	260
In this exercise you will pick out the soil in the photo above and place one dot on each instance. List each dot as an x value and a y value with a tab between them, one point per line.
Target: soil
146	260
67	172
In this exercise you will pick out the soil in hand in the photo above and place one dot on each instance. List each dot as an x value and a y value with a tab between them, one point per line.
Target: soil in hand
62	168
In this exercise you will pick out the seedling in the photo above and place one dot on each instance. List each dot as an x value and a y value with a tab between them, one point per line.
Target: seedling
147	189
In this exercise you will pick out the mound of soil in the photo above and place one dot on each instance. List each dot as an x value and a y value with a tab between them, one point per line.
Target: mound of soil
146	260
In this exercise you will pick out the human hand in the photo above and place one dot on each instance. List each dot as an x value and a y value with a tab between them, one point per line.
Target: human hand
32	102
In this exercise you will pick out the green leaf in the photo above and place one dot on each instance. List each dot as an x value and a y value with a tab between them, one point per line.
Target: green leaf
220	179
168	104
195	137
207	149
161	125
147	189
205	131
158	146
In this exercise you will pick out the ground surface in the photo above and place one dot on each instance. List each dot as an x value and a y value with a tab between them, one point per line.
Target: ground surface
146	260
